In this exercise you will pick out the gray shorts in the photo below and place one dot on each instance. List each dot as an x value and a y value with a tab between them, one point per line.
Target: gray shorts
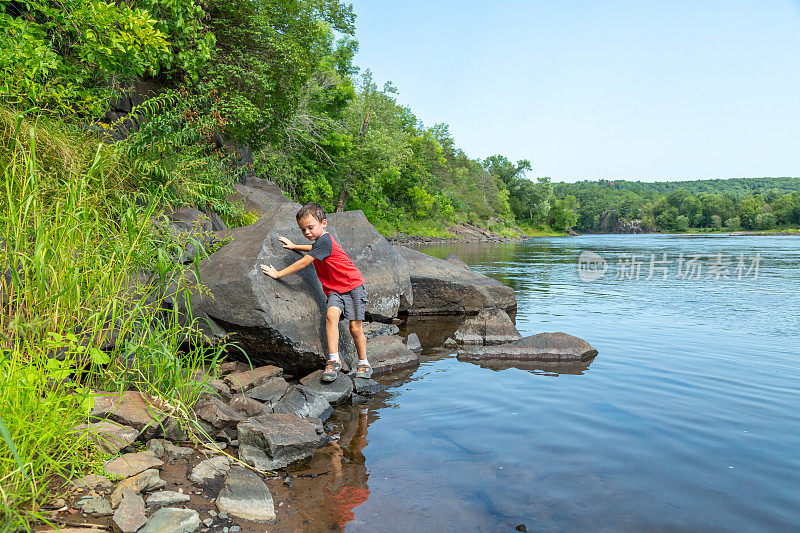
352	303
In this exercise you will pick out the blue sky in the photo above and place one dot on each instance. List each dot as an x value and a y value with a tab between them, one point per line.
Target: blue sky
600	89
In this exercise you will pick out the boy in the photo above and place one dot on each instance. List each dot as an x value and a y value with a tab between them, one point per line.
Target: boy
342	282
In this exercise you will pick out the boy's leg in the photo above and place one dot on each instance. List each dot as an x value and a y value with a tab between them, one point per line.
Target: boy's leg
360	340
332	329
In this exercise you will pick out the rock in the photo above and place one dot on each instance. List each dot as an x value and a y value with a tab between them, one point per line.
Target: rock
177	450
454	260
413	344
93	482
441	288
373	329
219	386
146	481
303	401
489	327
269	392
156	446
207	470
255	457
95	505
284	438
232	367
110	437
542	347
450	343
248	406
367	387
334	392
282	322
216	412
258	200
166	497
130	408
357	399
245	495
244	381
132	463
172	520
129	516
388	354
171	429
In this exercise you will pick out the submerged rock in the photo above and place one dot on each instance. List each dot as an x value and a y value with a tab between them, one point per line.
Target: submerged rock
556	346
488	327
441	288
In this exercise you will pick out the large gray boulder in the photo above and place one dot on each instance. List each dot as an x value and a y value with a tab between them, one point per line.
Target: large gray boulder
283	321
388	353
441	288
556	346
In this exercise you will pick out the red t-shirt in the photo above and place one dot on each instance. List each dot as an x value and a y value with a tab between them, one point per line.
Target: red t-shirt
335	269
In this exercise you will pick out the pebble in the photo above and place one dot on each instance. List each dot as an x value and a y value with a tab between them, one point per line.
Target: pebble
212	512
225	530
208	522
223	515
235	529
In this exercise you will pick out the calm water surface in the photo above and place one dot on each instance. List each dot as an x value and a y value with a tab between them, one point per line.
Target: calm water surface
687	419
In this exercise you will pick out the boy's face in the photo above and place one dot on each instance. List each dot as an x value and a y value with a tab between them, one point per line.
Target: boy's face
311	227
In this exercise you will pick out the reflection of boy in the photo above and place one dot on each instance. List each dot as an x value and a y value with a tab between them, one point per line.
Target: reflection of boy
349	497
342	282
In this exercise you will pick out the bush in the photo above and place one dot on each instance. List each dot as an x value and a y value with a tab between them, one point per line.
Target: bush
716	221
733	223
765	221
681	223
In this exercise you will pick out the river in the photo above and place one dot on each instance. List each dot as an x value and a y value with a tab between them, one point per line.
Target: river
686	420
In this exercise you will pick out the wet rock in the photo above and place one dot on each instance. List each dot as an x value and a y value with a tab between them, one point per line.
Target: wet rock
388	354
373	329
146	481
305	402
130	408
442	288
216	412
110	437
357	399
284	438
132	463
129	516
177	450
93	482
245	496
367	387
207	470
556	346
172	520
248	406
413	344
454	260
282	322
269	392
95	505
244	381
156	446
166	497
334	392
488	327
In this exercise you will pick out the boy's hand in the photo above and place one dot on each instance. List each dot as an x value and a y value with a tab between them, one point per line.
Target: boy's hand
270	271
286	243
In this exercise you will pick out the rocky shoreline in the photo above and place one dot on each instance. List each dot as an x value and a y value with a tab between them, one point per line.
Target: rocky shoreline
227	464
462	233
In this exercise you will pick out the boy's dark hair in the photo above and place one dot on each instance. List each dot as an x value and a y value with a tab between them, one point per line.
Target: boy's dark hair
311	209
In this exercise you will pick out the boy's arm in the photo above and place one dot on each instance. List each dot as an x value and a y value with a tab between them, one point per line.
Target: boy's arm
300	264
292	246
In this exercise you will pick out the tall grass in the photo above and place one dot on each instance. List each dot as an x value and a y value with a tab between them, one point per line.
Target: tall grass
83	267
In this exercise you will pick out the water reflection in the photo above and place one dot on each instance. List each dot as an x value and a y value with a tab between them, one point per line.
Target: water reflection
547	368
